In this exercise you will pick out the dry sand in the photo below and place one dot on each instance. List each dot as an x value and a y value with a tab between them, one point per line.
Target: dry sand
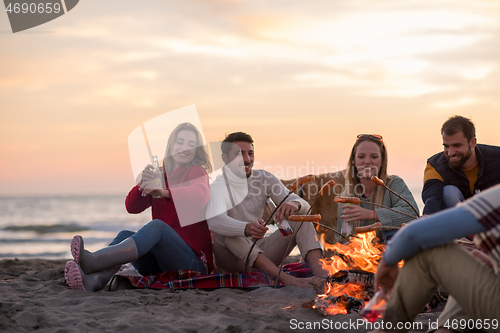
34	297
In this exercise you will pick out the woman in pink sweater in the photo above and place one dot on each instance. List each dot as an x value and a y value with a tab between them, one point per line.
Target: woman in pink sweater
177	238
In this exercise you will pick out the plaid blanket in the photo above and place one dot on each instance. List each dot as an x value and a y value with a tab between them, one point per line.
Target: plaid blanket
485	207
184	279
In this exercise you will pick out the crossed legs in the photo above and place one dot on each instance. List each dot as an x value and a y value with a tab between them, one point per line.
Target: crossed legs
475	287
155	248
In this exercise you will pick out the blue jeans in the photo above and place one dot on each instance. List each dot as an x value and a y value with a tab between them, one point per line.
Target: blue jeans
446	225
451	196
160	249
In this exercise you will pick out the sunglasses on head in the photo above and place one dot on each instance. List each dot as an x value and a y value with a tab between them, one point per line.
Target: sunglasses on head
372	136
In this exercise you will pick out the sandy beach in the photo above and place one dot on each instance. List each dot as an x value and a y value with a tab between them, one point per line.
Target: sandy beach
34	297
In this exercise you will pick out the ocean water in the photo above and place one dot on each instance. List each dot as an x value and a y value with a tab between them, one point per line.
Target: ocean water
43	226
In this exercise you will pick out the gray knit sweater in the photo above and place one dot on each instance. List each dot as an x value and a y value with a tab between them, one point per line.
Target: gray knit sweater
387	217
226	220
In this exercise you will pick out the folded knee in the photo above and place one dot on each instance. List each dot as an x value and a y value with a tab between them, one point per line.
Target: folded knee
158	227
157	224
121	236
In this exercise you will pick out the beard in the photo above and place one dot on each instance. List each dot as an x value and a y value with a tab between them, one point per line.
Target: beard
457	164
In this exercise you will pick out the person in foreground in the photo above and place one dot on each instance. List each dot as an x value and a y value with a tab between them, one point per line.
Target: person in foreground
163	244
463	169
369	158
236	218
432	259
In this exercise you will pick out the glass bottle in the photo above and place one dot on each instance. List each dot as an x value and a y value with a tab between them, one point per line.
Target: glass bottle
376	307
283	226
346	227
158	178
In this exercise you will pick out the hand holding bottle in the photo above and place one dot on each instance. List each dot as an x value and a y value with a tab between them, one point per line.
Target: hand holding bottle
286	209
282	224
376	307
256	229
152	180
147	175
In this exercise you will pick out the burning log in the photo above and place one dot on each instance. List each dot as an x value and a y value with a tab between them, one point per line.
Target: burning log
351	275
333	291
345	258
349	303
361	253
357	277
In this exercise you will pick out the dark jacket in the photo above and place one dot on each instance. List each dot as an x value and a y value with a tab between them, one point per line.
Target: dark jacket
487	176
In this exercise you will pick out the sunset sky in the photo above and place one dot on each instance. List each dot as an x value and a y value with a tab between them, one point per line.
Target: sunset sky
302	77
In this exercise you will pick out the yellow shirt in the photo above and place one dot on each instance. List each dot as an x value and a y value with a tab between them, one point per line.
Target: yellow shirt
471	174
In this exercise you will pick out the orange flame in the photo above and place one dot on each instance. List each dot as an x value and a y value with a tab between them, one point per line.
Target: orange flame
360	253
337	290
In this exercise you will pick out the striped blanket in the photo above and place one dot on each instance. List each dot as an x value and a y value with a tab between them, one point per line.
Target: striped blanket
485	207
184	279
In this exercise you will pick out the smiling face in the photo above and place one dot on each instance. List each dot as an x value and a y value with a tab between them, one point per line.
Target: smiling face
240	159
368	159
458	151
184	148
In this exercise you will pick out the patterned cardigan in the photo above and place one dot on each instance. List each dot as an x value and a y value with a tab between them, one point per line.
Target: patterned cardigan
485	207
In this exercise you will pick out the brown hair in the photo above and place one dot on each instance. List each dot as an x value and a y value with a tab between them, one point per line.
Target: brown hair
234	137
200	158
352	180
457	124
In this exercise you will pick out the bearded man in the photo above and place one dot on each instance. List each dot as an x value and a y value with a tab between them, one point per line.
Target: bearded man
463	169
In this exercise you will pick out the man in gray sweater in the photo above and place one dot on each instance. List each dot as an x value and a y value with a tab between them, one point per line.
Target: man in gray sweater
235	208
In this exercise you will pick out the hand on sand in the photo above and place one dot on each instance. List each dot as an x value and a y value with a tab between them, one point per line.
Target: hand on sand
300	282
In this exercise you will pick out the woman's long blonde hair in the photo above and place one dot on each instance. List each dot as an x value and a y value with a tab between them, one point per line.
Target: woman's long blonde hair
353	187
200	158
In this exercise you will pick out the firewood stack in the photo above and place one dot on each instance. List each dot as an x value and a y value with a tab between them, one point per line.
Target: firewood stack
327	299
354	276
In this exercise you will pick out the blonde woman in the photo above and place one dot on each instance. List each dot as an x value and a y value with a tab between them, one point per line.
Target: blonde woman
369	158
163	244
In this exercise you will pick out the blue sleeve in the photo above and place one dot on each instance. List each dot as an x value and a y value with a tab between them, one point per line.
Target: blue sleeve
432	196
431	231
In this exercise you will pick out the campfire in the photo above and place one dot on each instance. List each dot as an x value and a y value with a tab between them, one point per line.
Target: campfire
352	266
351	271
